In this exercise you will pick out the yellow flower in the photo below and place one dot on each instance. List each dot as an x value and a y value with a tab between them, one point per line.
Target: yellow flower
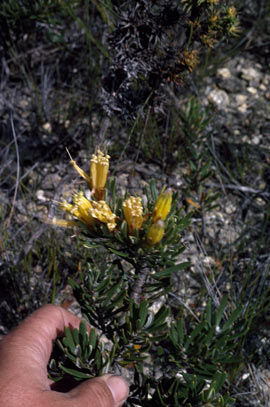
214	19
87	212
189	59
155	233
235	28
103	213
232	12
99	168
133	211
163	206
81	209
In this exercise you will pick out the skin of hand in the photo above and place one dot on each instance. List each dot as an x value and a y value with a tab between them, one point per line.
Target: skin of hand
24	355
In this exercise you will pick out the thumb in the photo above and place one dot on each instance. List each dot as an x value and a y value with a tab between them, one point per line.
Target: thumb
103	391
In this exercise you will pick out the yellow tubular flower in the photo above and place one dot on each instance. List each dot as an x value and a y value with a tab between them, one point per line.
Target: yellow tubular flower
155	233
103	213
99	168
232	12
133	211
81	210
89	212
163	206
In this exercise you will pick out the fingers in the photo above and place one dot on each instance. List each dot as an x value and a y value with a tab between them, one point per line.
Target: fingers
30	344
104	391
24	355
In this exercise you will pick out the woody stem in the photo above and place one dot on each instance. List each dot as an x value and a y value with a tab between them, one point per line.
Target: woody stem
137	289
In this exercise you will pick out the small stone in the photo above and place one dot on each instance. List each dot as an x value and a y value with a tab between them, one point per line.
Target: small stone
256	140
41	195
47	127
38	269
240	99
266	79
252	90
24	103
219	98
250	74
242	108
224	73
230	209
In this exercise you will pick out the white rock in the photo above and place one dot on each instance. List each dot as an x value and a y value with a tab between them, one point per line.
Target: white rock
252	90
224	73
256	140
242	108
250	74
47	127
41	195
219	98
240	99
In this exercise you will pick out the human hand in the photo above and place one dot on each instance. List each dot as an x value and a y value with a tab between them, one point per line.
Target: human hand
24	355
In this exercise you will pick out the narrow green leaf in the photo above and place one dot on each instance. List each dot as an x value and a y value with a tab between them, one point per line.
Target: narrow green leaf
221	309
143	312
153	190
232	318
92	338
209	313
167	272
68	340
75	373
118	253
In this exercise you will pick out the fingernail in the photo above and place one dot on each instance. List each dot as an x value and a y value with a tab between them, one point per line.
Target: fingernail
118	387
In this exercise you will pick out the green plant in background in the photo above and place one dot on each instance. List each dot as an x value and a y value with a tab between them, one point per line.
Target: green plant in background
197	156
183	140
135	250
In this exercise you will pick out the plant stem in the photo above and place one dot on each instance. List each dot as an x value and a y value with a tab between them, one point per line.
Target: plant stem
137	289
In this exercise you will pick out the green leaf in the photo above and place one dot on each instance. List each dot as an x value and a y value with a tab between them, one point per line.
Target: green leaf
221	309
143	313
84	334
68	340
92	338
118	253
209	313
153	190
194	333
232	318
75	373
167	272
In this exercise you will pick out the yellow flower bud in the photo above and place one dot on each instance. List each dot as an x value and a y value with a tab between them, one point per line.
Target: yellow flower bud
162	207
133	211
99	168
155	233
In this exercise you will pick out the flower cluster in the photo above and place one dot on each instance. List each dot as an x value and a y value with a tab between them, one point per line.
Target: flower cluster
96	211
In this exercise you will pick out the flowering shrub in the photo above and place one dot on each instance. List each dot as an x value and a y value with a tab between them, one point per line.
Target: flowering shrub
135	250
